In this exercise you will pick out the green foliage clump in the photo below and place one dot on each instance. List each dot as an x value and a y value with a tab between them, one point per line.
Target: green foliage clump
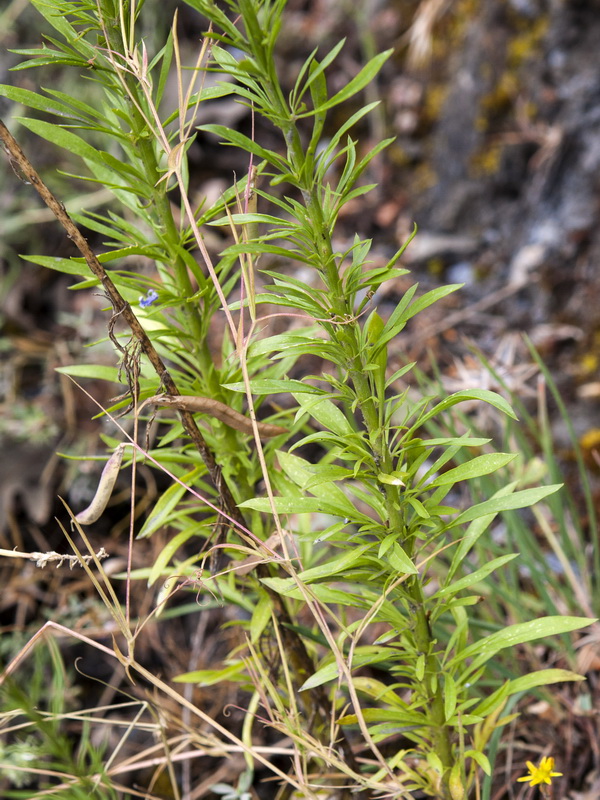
333	560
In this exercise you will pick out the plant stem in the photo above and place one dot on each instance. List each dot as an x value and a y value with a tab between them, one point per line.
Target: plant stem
348	336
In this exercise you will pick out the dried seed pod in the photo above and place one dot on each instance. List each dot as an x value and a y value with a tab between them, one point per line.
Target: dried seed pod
107	482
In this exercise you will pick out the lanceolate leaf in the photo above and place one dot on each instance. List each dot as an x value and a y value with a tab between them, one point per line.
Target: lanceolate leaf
406	310
481	465
166	504
65	139
66	265
349	559
96	371
544	677
264	386
522	499
38	101
485	395
168	551
244	142
362	657
487	648
474	531
61	24
365	76
475	577
305	505
325	412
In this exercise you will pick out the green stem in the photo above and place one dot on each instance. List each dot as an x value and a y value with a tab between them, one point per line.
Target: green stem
347	335
348	338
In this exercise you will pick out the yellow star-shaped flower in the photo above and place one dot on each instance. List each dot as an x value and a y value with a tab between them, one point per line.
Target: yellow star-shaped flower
542	774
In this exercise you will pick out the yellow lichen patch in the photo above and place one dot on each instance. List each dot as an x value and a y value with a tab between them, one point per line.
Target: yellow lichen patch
502	97
526	45
434	100
486	161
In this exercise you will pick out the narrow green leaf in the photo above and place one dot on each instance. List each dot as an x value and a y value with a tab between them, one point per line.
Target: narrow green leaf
391	479
474	531
61	24
513	635
266	386
280	585
493	701
260	616
66	265
525	683
458	397
348	560
326	473
97	371
429	298
481	759
364	77
65	139
418	507
378	691
449	441
475	468
166	55
209	677
325	412
543	677
523	499
362	657
166	504
303	505
53	59
386	543
464	719
407	717
317	68
342	563
492	398
167	553
247	144
450	696
323	593
399	560
258	219
474	577
34	100
258	248
405	310
299	471
327	157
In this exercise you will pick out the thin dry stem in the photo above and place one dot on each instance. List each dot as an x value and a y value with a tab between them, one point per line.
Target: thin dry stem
52	557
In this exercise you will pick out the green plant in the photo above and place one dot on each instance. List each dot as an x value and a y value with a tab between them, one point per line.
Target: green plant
44	743
354	592
566	542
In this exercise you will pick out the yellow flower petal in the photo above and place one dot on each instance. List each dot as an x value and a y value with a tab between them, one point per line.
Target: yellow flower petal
542	774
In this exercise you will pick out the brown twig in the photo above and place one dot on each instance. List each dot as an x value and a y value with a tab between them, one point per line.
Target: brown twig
218	410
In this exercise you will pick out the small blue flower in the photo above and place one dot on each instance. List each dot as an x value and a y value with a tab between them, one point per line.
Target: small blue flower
151	297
